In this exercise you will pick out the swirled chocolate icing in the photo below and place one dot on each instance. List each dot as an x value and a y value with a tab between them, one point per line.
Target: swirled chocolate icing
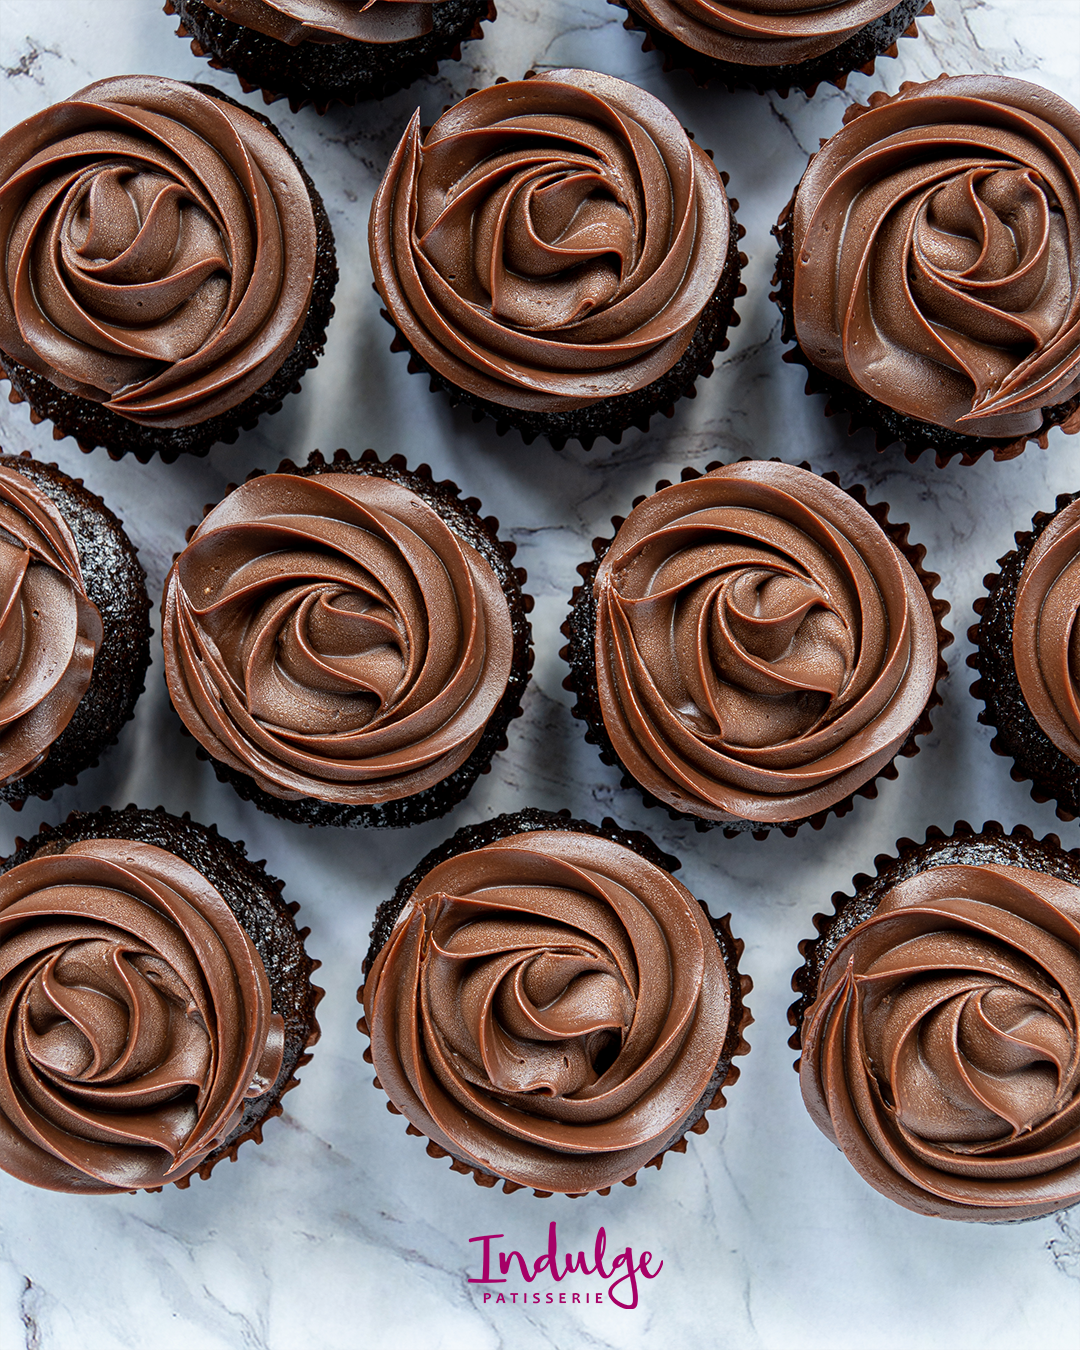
1046	635
135	1018
331	637
936	240
942	1053
551	242
762	648
158	246
50	630
550	1007
761	32
295	21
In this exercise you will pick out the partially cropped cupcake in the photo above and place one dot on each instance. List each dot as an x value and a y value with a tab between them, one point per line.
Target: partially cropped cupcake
347	641
328	51
1028	656
167	267
928	267
755	645
549	1006
557	254
74	629
939	1023
155	1002
774	44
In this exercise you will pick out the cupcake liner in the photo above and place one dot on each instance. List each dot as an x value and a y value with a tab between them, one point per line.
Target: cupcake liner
580	626
862	411
255	898
531	818
92	425
325	74
859	53
462	514
116	583
1053	776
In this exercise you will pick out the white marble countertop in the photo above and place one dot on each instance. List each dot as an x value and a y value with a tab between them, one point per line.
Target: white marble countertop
340	1232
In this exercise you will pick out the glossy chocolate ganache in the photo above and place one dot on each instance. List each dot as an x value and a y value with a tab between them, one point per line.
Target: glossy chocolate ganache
550	1008
295	21
159	247
942	1052
935	244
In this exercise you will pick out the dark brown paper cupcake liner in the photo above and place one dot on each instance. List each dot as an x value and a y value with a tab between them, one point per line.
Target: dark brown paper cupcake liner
116	583
519	822
324	74
255	899
579	629
862	411
1053	776
462	515
92	424
859	53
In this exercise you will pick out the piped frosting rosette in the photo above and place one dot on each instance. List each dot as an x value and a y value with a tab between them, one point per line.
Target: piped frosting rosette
135	1017
941	1052
160	249
934	242
331	21
762	647
50	630
550	1008
551	242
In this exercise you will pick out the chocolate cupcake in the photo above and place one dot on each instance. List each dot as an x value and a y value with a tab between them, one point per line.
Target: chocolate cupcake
155	1002
558	255
549	1006
939	1023
755	645
169	267
1028	656
329	51
928	267
762	44
74	630
347	642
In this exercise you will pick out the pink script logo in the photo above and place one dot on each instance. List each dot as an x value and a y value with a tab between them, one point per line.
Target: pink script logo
558	1268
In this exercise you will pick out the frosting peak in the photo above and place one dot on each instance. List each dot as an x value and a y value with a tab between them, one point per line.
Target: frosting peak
296	21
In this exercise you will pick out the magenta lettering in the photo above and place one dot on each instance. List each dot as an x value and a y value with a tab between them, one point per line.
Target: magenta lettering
621	1275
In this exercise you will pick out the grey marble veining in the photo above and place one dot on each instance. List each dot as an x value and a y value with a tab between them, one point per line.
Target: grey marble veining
339	1231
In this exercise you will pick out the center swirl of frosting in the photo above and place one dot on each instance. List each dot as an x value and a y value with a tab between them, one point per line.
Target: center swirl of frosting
551	1007
134	1018
296	21
943	1051
331	637
159	247
551	242
762	648
936	240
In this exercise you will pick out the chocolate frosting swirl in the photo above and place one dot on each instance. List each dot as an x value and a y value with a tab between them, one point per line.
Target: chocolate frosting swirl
942	1053
936	240
550	242
550	1007
762	32
135	1018
296	21
159	247
331	637
762	648
50	630
1046	635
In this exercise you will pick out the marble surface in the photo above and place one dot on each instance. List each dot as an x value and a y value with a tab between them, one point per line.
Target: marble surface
339	1231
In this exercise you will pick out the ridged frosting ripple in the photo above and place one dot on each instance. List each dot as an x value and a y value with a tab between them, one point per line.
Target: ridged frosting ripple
296	21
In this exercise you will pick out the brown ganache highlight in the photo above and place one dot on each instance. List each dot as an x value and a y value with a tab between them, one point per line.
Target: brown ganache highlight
935	240
550	1008
550	242
762	648
135	1017
50	630
941	1052
332	637
329	21
160	250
